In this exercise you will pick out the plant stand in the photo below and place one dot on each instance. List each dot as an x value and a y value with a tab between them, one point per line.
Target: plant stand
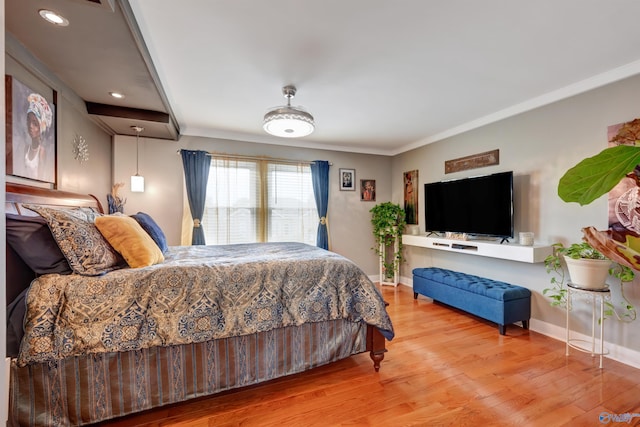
388	224
385	253
592	295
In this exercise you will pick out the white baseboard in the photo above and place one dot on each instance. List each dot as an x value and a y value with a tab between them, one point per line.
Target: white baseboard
616	352
407	281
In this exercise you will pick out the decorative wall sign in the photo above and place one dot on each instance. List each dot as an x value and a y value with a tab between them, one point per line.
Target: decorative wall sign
30	132
474	161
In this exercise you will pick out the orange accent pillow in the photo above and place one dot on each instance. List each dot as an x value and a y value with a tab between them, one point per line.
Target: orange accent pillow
130	240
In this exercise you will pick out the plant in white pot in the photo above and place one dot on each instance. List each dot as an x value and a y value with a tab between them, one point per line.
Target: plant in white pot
587	268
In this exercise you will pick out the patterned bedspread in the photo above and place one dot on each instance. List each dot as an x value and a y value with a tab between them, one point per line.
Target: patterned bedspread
199	293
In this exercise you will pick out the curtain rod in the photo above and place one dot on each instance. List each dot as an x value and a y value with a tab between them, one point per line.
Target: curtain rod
243	157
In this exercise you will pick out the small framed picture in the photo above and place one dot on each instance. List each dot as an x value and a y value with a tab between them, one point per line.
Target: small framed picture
368	190
347	180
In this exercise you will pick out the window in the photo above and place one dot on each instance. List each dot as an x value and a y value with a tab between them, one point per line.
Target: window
292	213
252	201
233	202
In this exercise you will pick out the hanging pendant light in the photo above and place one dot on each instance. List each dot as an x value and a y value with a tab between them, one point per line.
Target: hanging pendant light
288	121
137	181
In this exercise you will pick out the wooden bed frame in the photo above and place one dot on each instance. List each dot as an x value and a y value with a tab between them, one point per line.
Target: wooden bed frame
18	194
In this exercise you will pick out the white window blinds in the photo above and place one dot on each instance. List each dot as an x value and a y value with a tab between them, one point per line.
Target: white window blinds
233	202
292	214
259	200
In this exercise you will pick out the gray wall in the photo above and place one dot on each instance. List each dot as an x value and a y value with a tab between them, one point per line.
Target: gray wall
538	146
350	230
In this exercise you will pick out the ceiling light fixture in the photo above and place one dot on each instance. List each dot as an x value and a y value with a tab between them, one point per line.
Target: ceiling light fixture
287	121
116	95
53	17
137	181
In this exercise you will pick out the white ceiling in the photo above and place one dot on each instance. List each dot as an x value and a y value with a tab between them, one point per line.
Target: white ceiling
379	76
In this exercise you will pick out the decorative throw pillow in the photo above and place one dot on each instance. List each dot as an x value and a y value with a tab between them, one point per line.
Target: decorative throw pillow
130	239
87	252
32	240
153	229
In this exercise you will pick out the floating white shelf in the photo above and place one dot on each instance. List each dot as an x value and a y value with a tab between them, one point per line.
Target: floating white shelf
494	249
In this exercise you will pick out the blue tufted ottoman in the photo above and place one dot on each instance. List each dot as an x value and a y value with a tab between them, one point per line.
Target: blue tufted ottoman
495	301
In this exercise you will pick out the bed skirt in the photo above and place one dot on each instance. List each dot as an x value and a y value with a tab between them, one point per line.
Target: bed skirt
93	388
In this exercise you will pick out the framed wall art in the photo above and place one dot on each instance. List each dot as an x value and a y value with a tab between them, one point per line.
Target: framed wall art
30	132
347	179
411	196
368	190
624	215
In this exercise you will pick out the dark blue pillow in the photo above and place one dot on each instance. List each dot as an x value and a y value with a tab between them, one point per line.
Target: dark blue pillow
149	225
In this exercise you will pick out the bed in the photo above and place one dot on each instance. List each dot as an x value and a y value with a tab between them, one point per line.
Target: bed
101	343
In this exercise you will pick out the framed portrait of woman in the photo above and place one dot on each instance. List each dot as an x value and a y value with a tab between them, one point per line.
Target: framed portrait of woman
368	190
30	132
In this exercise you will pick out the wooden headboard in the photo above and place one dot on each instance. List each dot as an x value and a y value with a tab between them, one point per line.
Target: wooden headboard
18	274
17	194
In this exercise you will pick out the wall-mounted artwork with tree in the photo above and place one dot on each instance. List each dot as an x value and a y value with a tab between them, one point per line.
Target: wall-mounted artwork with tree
411	196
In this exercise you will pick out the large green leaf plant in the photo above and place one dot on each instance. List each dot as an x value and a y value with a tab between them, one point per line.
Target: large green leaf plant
597	175
594	177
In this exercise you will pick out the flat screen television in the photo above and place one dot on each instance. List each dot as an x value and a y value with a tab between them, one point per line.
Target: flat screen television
480	205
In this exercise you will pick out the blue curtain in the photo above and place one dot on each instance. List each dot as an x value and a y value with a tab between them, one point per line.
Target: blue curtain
320	179
196	166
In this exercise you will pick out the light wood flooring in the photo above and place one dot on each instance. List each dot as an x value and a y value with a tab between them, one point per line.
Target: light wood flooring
444	368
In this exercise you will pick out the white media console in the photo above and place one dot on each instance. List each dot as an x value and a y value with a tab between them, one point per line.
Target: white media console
494	249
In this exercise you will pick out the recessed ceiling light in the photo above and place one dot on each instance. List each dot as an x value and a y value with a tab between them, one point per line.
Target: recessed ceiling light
116	95
53	17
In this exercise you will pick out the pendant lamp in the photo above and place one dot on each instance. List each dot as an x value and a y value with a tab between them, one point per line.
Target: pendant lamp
137	181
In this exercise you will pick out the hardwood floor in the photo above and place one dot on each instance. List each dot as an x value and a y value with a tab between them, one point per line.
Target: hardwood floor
444	367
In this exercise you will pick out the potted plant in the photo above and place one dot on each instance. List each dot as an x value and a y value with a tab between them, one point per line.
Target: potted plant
587	268
388	220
